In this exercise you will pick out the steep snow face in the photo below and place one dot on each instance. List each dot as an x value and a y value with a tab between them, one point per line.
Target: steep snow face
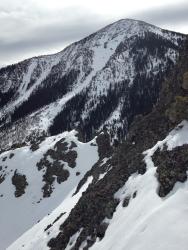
85	84
25	77
51	172
150	222
146	222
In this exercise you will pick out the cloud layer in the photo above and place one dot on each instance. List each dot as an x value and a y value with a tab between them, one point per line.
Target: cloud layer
176	15
30	28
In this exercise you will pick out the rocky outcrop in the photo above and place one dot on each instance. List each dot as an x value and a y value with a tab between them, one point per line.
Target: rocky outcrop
104	147
20	183
172	167
53	164
52	171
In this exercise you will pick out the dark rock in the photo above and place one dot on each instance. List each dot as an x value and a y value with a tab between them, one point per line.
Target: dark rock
53	168
59	217
103	143
11	155
20	183
4	158
110	208
101	229
134	194
2	178
60	152
34	147
73	145
70	158
18	145
48	227
172	167
126	201
35	139
61	145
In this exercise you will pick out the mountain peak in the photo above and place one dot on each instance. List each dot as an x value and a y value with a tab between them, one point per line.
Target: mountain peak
132	26
41	91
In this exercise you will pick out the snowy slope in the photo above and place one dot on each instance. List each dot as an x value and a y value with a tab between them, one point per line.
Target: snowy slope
20	213
150	222
32	239
147	222
70	89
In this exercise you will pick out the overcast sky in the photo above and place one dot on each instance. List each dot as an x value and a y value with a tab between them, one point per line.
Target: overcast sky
34	27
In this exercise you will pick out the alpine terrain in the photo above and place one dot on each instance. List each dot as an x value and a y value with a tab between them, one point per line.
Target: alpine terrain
94	144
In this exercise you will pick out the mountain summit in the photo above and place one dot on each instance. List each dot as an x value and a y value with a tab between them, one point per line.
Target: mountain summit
104	80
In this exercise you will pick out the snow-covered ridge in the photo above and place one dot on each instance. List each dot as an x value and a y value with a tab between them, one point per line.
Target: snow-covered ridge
146	222
20	213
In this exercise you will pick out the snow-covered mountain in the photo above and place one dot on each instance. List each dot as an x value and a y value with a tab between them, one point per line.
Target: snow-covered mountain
103	80
63	184
135	196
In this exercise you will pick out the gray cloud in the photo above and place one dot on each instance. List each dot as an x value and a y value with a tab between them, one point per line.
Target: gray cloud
42	37
23	36
27	30
176	14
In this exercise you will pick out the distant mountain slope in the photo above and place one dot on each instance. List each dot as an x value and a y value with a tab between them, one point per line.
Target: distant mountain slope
103	80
